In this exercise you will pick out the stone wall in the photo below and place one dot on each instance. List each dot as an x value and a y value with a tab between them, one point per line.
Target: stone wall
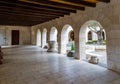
107	14
24	37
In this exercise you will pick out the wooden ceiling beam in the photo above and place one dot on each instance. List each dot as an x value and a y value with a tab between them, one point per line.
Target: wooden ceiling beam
54	4
16	12
12	18
106	1
28	14
82	2
8	19
34	6
8	15
31	11
23	23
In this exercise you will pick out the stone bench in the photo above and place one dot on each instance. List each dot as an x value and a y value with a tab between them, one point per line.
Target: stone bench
93	58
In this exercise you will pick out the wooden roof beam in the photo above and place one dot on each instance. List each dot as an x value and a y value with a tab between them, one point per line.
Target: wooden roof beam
8	15
33	11
82	2
106	1
34	6
54	4
28	14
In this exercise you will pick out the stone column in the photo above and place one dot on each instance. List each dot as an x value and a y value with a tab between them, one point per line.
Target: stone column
48	37
76	39
33	36
113	47
59	41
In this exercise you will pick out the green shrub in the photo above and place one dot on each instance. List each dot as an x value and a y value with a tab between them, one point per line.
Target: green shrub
95	42
89	42
104	42
72	47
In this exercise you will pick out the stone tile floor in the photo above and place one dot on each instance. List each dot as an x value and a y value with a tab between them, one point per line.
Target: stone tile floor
33	65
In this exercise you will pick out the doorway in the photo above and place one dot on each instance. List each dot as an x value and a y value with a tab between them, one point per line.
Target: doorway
15	37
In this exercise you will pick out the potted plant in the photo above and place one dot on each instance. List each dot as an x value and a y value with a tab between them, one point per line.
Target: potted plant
72	51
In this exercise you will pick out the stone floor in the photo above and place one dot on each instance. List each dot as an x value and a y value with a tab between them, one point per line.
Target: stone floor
33	65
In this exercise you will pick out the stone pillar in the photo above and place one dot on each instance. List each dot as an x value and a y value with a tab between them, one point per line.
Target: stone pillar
82	44
52	46
76	39
113	47
94	36
33	36
44	37
59	41
48	36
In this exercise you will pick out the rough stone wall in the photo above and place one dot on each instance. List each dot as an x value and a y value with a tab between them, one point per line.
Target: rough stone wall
24	34
107	14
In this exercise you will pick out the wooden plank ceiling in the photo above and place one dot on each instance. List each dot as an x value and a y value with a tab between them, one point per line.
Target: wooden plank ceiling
32	12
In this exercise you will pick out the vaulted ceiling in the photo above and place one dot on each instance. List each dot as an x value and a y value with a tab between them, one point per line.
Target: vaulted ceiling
32	12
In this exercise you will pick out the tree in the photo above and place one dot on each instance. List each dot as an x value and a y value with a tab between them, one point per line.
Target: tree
97	28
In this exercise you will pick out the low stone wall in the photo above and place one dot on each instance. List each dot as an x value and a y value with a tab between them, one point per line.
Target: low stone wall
95	47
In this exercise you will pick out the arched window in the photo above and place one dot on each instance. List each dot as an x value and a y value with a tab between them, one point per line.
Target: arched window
103	35
89	35
71	35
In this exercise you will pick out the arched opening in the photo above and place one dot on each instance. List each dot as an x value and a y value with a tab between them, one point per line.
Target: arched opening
53	34
71	35
93	46
38	42
44	37
103	35
67	36
53	46
89	35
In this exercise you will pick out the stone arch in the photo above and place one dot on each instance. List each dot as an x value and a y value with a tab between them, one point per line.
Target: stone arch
53	34
44	37
64	37
82	38
38	39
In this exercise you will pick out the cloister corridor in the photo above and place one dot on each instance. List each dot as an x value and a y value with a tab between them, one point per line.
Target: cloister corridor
59	41
33	65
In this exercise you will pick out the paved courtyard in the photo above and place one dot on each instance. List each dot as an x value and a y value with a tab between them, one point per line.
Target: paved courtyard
100	53
33	65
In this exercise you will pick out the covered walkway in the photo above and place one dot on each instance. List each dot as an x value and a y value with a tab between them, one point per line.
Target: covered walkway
33	65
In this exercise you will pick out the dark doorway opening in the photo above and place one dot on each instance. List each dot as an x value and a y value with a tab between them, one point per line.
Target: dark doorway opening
15	37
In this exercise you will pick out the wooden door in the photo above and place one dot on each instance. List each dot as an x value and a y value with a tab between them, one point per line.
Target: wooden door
15	37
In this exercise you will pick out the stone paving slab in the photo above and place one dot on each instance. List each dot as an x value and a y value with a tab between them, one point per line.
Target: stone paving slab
33	65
